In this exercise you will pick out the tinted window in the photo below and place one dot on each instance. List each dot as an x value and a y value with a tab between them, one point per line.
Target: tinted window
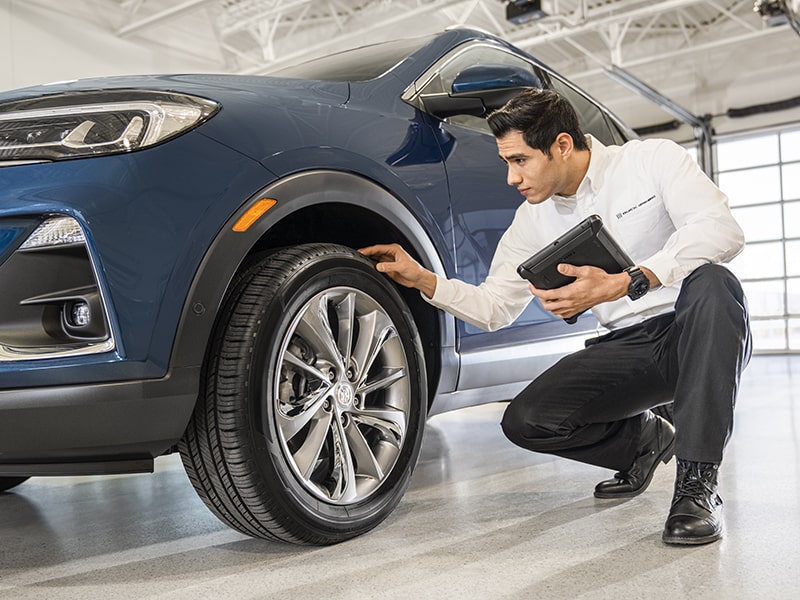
359	64
591	117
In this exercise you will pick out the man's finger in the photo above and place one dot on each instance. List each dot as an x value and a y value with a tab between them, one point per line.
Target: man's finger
378	250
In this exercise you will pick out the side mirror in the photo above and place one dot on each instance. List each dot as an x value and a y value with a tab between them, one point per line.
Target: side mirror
480	89
485	80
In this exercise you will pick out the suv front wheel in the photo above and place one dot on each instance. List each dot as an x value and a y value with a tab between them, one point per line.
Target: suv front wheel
314	400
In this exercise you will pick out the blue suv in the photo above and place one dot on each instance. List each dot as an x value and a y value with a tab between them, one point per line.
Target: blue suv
177	274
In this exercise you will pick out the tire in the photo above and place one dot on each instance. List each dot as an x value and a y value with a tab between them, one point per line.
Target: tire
313	399
6	483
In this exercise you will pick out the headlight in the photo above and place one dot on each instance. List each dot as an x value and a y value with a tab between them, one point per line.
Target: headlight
82	124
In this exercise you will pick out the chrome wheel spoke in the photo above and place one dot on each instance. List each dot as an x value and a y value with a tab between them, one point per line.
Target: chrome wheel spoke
389	376
345	313
343	470
315	328
296	361
390	421
299	404
307	455
364	456
374	330
291	424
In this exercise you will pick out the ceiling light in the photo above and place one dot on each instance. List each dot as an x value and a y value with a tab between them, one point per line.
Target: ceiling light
520	12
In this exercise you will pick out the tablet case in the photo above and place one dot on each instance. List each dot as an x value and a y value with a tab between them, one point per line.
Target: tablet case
588	243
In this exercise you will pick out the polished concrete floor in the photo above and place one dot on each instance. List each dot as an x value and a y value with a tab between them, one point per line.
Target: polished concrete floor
482	519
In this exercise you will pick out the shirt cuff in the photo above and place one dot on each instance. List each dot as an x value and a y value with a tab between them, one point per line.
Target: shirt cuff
669	271
442	295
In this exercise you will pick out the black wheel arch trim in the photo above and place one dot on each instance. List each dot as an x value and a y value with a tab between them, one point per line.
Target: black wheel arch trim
230	249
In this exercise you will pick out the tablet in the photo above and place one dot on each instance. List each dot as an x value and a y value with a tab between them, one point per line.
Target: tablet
588	243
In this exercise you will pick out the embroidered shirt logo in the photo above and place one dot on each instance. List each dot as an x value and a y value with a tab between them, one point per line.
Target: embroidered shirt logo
633	208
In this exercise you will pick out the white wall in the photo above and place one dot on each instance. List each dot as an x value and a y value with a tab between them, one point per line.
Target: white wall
38	45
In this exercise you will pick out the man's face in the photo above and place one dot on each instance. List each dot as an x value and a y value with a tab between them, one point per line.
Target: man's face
536	176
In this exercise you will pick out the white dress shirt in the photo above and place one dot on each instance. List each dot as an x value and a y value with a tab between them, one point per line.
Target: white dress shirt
654	200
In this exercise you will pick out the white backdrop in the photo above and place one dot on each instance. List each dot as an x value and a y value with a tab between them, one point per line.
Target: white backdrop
40	46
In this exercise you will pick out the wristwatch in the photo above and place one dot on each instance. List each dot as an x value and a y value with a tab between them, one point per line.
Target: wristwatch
639	285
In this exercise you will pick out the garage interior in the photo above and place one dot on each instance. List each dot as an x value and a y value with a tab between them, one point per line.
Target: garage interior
482	518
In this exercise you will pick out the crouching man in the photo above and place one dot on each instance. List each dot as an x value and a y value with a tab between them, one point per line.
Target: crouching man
678	320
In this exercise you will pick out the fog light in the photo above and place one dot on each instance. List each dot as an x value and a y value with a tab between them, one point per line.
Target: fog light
80	315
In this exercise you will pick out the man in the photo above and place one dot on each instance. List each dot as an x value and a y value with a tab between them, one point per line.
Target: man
686	339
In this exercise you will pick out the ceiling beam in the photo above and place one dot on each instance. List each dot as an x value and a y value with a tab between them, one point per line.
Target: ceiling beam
698	49
160	17
525	40
357	34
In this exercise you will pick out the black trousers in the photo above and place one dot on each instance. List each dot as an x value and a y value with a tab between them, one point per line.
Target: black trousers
589	405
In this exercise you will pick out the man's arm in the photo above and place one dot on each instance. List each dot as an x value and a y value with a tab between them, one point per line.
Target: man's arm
401	268
491	305
706	231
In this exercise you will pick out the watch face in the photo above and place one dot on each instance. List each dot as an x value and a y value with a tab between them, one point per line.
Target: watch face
639	285
637	290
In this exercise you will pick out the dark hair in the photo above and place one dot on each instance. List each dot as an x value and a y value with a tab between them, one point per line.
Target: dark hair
540	115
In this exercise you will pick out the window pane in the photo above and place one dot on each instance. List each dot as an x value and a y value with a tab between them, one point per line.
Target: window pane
791	219
790	146
747	152
793	296
765	298
761	176
794	334
590	117
759	261
769	335
791	181
752	186
760	222
793	258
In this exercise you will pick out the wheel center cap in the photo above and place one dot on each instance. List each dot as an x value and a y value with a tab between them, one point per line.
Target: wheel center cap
344	394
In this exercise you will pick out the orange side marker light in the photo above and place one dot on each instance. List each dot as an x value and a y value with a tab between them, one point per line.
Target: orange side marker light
253	214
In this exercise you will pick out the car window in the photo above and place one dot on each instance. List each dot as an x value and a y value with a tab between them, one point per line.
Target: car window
440	79
592	118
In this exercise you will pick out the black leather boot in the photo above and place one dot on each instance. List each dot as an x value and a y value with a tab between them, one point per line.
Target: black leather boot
658	439
696	513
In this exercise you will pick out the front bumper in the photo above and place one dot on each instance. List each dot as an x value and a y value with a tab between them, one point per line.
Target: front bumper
94	429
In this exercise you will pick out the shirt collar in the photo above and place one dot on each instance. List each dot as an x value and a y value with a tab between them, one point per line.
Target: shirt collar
598	161
592	181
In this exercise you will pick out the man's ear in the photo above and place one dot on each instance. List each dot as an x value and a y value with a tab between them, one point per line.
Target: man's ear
564	145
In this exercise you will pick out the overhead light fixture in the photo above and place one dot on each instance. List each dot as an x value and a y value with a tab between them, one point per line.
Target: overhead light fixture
520	12
779	12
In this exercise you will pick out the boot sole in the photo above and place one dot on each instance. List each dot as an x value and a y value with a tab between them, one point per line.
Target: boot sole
665	456
691	541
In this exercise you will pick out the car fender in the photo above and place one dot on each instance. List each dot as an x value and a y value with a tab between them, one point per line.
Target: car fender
231	248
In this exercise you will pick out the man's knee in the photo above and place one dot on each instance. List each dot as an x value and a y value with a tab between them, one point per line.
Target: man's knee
713	280
712	288
522	424
513	422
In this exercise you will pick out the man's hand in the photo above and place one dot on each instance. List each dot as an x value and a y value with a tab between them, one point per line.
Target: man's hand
398	264
591	287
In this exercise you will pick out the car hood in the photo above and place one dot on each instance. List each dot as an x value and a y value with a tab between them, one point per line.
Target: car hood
250	105
214	87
